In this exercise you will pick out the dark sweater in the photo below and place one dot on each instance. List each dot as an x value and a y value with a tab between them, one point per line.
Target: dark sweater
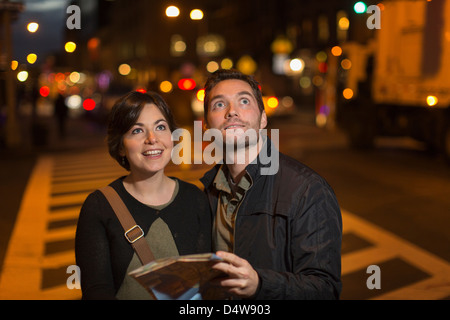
102	252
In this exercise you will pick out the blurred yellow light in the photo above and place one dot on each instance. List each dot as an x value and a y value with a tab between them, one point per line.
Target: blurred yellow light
165	86
31	58
14	64
321	120
247	65
179	46
305	82
272	102
22	76
74	77
212	66
172	11
70	46
226	63
281	45
321	56
346	64
336	51
196	14
124	69
432	101
32	27
201	95
347	93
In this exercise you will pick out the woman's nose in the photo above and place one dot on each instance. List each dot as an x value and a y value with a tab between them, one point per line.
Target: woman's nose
151	138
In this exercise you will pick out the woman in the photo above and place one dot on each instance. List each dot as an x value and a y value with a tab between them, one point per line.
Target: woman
174	214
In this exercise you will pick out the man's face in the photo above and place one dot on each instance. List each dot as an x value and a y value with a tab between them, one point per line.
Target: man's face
233	109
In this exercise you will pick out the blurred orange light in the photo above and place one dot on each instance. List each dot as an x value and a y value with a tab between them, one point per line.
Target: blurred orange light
347	93
165	86
44	91
346	64
336	51
14	64
186	84
93	43
89	104
60	77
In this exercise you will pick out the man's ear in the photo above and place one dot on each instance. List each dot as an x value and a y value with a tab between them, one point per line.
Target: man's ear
263	122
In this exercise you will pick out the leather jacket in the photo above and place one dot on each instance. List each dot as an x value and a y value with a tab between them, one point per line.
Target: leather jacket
289	228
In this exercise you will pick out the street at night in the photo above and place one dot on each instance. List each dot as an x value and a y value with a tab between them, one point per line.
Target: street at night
394	201
363	104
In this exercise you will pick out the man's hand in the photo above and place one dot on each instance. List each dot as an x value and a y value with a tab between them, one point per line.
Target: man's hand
242	279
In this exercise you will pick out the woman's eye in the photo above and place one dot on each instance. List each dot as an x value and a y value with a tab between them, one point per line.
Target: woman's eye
136	131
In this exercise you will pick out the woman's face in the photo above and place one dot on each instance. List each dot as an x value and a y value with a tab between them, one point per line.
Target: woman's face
148	144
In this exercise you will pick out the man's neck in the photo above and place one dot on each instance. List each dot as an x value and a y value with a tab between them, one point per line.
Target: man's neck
237	167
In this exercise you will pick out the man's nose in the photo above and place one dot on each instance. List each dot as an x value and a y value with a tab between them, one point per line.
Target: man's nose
231	111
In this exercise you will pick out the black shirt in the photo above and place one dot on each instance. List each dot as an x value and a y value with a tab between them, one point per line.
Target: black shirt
102	252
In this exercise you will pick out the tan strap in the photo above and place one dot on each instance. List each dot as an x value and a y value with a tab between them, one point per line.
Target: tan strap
133	232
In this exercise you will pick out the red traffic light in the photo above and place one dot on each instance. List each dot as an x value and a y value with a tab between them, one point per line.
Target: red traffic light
186	84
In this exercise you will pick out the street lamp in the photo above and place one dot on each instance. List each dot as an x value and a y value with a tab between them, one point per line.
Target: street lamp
31	58
172	11
32	27
196	14
70	46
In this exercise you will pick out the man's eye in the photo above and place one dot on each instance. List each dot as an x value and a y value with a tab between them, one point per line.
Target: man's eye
219	105
245	101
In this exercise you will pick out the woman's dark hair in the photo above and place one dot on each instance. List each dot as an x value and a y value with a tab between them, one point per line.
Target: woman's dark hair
125	113
231	74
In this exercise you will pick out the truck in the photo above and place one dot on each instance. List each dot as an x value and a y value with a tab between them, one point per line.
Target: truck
398	82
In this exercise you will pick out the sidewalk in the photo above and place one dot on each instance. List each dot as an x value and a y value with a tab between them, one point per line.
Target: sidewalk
17	164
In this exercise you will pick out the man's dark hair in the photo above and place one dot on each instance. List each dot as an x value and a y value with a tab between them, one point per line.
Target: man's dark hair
231	74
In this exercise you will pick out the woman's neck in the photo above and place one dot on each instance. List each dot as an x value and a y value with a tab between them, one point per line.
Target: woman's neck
154	190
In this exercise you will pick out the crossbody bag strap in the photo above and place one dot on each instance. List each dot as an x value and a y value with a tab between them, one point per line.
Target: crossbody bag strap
133	232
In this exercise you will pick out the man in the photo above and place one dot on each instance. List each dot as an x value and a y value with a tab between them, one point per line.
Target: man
278	233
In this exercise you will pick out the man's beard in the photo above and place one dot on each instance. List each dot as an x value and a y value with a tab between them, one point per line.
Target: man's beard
239	146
